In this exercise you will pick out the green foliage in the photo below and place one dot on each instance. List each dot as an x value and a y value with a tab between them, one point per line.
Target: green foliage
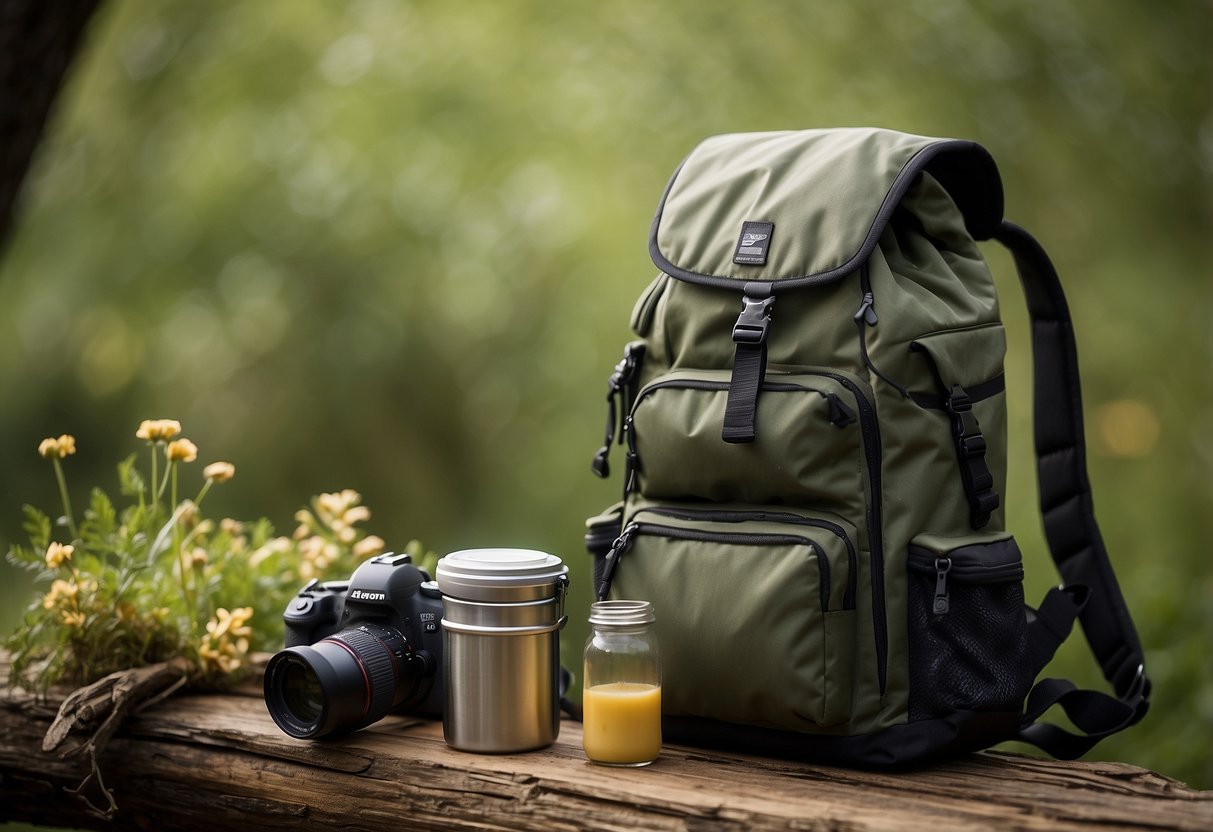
395	245
37	527
149	581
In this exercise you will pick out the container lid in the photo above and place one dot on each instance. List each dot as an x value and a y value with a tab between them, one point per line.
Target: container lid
621	613
501	575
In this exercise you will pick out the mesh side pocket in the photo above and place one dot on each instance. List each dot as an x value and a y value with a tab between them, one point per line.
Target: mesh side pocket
968	628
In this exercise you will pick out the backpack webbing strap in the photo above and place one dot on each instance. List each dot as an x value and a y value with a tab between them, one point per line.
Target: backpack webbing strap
749	363
1069	523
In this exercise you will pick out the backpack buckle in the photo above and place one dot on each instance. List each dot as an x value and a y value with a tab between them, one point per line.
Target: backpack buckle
959	406
755	318
958	401
970	446
754	321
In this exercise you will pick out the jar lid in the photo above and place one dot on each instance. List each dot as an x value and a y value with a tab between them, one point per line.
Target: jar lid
501	575
621	613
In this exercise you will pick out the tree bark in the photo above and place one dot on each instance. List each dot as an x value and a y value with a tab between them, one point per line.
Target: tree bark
201	762
38	39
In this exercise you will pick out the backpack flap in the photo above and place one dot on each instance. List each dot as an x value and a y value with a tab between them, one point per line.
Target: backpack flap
765	212
806	207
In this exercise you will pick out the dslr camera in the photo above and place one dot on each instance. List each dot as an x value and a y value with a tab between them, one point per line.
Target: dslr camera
356	650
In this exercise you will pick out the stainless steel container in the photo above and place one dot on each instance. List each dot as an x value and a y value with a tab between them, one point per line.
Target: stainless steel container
503	610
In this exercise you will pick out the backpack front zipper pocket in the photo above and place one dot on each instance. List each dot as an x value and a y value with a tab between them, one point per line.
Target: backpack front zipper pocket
796	630
807	452
818	444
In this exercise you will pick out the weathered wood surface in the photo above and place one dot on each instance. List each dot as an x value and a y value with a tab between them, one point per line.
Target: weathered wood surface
207	762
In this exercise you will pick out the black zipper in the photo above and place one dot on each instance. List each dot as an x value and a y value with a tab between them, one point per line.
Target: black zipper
872	455
839	414
969	569
965	570
621	546
720	516
865	317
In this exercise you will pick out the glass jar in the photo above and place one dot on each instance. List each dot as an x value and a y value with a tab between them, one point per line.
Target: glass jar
621	700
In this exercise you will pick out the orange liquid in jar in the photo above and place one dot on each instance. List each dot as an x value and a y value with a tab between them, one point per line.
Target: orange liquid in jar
621	723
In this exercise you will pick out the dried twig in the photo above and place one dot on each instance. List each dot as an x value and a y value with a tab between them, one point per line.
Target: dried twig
109	702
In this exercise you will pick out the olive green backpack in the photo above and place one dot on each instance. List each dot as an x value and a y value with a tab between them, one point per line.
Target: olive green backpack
813	427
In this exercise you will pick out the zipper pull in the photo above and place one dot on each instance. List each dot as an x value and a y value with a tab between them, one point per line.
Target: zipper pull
621	545
941	604
616	388
601	465
633	459
840	414
867	310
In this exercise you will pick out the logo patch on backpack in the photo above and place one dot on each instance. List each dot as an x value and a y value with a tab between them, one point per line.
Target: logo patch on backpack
753	243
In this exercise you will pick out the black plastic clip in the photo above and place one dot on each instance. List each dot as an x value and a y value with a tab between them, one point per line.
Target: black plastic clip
755	318
970	452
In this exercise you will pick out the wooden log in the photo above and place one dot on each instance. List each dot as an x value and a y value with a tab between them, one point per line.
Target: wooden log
201	762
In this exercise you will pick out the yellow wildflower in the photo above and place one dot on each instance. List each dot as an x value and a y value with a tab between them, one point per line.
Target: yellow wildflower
127	611
52	448
334	505
368	546
58	554
158	430
318	555
73	618
198	558
226	644
230	526
356	514
61	593
181	450
219	471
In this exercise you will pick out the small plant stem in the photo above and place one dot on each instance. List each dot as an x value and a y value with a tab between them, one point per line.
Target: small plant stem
170	465
171	473
205	488
155	496
186	594
67	503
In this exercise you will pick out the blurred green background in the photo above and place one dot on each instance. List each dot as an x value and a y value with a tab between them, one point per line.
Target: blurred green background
393	246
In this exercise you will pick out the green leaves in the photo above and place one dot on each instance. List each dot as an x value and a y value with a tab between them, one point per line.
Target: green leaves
100	520
142	581
37	527
130	481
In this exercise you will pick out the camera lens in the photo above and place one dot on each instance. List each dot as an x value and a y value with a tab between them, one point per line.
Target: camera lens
340	683
301	691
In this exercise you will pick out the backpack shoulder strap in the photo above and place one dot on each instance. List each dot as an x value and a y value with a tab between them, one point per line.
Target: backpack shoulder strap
1090	591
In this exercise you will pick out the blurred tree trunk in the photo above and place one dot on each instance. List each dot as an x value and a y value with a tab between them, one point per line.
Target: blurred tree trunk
38	39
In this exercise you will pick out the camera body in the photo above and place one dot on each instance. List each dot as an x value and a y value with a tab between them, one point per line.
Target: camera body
357	649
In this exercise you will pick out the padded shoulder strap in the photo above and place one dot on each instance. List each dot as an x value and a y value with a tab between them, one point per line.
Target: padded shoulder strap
1070	527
